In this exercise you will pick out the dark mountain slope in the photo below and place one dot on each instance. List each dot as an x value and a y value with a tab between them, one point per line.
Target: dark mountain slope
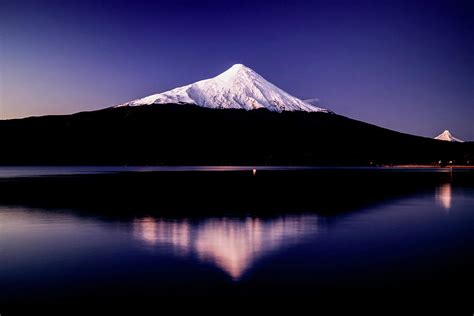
187	134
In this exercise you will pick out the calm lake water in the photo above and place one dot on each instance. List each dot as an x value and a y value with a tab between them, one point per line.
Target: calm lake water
38	171
421	239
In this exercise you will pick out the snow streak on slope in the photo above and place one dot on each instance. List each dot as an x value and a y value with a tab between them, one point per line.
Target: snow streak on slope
447	136
237	88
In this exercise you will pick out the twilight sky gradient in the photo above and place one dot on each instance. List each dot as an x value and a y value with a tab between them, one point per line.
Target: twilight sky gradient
405	65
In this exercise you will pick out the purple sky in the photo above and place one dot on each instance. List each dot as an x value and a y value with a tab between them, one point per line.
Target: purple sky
405	65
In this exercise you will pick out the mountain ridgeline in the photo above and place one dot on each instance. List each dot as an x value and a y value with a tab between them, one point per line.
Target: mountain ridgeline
234	118
185	134
239	87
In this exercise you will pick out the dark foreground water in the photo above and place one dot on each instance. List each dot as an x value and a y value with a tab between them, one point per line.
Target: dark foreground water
403	236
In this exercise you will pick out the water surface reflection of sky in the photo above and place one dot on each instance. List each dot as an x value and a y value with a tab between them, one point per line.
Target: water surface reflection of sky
410	242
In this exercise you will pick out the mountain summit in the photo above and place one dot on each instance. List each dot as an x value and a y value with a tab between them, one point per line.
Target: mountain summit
239	87
447	136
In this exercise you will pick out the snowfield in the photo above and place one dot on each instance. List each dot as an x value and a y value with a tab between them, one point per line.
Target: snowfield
447	136
239	87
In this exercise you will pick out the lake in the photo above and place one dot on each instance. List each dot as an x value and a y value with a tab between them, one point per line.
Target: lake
338	234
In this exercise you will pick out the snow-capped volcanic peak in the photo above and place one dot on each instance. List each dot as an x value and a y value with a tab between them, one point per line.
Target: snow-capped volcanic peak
447	136
239	87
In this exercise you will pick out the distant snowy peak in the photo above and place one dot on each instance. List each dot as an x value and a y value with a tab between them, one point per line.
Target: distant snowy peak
239	87
447	136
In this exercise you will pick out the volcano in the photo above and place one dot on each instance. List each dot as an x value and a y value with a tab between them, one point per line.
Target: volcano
239	87
447	136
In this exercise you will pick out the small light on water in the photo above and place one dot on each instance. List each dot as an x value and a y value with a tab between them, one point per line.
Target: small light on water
444	196
254	171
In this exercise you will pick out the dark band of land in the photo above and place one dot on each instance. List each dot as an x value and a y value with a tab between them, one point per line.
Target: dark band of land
178	134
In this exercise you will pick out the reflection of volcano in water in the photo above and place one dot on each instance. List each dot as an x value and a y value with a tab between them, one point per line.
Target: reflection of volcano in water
232	244
444	195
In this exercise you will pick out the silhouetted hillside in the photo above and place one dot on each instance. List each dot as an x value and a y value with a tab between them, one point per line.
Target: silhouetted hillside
190	135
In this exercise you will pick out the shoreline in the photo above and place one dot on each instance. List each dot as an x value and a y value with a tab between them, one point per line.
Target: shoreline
430	166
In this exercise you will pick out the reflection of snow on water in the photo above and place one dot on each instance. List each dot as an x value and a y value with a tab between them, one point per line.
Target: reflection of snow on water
234	245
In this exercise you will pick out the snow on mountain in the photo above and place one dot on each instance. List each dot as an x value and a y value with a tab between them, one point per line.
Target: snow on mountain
317	103
239	87
447	136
